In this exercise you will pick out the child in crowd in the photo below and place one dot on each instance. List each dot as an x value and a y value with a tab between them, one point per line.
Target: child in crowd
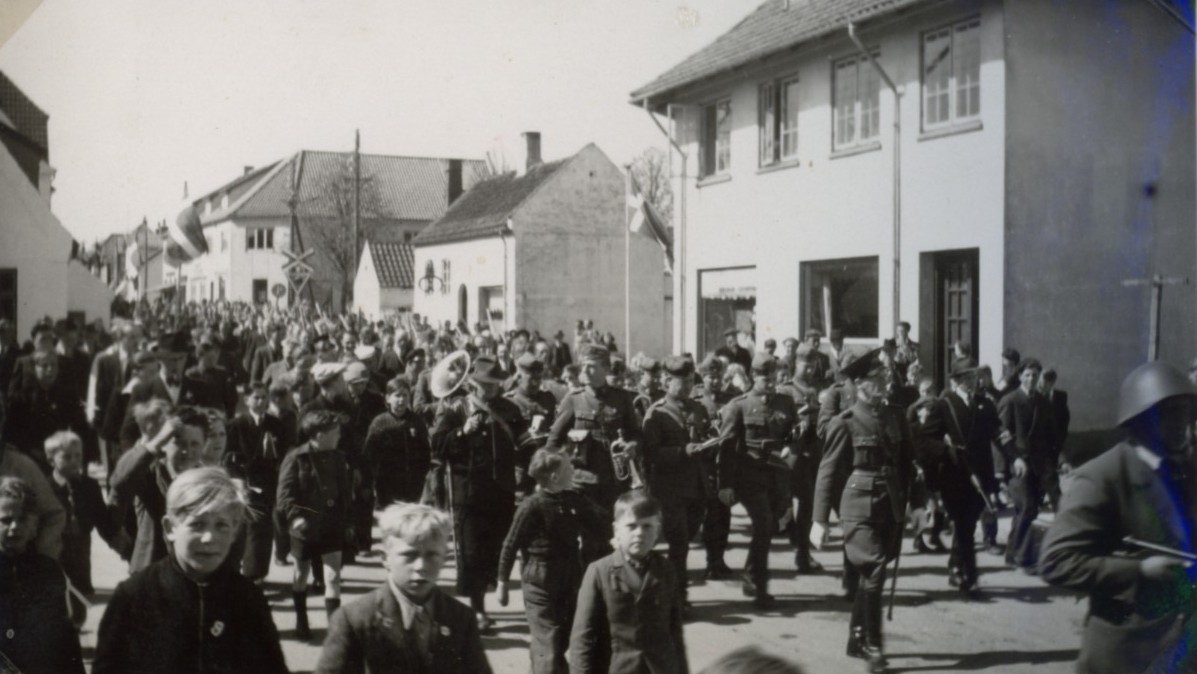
547	531
253	455
36	636
85	512
191	612
408	625
629	618
397	449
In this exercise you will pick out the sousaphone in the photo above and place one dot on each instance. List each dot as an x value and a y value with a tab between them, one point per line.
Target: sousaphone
449	374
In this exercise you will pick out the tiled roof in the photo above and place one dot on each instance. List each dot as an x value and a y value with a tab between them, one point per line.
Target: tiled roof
484	209
23	114
394	263
399	188
776	25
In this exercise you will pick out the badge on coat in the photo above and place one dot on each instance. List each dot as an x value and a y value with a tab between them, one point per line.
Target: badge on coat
217	628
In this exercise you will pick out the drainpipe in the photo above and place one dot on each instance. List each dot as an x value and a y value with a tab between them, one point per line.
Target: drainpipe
897	172
507	311
679	258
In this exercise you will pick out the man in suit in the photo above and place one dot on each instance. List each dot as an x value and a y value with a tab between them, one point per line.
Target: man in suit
255	449
110	371
732	352
10	350
208	384
408	625
1028	441
559	355
23	373
818	366
1141	603
1059	403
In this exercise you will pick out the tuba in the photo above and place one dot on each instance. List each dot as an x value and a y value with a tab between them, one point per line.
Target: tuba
449	374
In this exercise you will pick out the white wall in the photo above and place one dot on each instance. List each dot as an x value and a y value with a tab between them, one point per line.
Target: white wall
827	208
236	265
367	295
475	263
87	293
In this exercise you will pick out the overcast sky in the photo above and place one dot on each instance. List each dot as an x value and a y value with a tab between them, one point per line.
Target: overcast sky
145	94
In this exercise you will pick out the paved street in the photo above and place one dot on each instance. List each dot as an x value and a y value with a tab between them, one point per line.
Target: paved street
1021	626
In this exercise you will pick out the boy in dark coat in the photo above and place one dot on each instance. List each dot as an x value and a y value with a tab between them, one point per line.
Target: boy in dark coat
397	452
408	625
254	452
629	619
546	531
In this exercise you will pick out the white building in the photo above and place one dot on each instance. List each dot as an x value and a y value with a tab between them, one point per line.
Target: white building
384	282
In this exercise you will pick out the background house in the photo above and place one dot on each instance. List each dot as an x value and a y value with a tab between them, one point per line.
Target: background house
249	221
384	282
1047	154
542	250
38	273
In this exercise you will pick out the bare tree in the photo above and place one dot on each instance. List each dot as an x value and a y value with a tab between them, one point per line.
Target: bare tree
496	165
327	222
651	171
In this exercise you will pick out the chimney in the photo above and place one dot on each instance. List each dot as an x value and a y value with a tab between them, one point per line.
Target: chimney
455	188
532	140
248	169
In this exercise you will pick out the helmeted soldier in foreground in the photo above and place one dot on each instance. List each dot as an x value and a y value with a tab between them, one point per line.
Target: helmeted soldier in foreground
755	431
1125	530
867	461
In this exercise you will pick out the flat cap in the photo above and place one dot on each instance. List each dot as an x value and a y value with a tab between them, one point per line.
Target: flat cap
326	372
594	352
356	371
814	332
763	363
529	364
678	366
963	366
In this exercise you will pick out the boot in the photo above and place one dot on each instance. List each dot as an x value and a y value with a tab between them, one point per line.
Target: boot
303	631
871	621
855	634
331	606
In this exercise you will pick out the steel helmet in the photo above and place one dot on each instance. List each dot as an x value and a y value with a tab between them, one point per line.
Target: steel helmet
1148	385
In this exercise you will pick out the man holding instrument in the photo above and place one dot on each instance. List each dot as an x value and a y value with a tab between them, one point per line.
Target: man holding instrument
868	459
1125	533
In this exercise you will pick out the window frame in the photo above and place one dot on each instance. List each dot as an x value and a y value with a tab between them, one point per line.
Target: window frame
709	140
806	309
951	86
860	64
772	118
259	238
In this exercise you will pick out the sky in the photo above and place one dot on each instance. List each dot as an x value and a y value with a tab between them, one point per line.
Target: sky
144	95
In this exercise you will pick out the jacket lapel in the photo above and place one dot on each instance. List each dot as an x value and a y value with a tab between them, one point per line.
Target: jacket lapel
1155	494
388	629
651	578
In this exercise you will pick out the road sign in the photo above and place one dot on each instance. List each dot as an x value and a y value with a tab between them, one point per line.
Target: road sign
278	290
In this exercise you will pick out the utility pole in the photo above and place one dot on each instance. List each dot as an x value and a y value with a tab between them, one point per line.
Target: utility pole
357	202
1157	283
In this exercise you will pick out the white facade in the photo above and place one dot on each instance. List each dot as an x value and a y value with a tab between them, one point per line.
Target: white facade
481	271
231	267
830	206
370	298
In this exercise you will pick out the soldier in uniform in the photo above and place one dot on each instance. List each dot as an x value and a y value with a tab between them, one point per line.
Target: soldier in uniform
538	408
600	428
648	386
804	463
868	459
674	429
755	431
475	435
716	523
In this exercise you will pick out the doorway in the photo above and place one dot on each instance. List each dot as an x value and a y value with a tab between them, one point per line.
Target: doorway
950	298
463	308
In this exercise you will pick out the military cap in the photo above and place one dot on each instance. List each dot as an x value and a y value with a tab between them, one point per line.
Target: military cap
594	352
814	332
678	366
486	370
731	332
356	371
647	363
763	363
789	340
326	372
963	366
712	365
864	366
530	364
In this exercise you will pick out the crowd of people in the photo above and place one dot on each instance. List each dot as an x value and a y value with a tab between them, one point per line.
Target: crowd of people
233	438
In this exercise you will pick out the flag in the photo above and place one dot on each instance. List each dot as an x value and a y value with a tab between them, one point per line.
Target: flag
187	240
132	260
644	220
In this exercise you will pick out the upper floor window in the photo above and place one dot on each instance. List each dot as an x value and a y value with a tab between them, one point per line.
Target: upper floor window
259	238
856	102
779	121
952	74
716	138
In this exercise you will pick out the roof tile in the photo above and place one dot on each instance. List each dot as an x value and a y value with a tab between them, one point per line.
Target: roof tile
394	263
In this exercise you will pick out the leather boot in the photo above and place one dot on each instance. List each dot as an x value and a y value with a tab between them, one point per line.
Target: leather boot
302	630
855	634
331	606
871	621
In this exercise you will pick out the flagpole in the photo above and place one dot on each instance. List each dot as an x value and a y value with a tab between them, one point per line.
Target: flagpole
627	263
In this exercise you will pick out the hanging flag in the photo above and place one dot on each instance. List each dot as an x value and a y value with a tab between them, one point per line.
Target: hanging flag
644	220
186	237
132	260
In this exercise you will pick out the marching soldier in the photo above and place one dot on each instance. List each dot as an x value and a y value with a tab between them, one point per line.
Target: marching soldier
868	459
539	409
600	428
755	431
674	430
648	388
804	463
716	523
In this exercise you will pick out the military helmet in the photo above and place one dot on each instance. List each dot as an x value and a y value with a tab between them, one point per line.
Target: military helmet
1148	385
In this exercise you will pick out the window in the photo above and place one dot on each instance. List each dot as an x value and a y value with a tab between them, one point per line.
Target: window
856	102
716	138
259	238
841	294
727	299
952	74
779	121
444	277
